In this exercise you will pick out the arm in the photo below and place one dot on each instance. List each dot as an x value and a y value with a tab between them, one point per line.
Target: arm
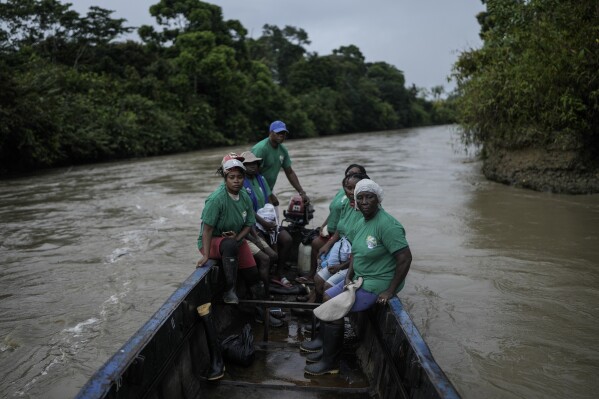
350	271
294	181
270	226
244	232
403	260
206	241
253	237
337	268
329	244
273	199
324	223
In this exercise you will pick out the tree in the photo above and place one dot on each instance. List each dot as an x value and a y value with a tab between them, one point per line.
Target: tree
56	32
280	49
391	85
534	82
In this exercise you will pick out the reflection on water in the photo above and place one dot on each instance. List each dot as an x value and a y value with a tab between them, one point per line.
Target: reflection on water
503	285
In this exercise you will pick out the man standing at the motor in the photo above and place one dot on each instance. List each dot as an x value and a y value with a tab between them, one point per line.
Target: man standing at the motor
275	156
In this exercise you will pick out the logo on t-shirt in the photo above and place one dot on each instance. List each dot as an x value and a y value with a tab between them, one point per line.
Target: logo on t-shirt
371	242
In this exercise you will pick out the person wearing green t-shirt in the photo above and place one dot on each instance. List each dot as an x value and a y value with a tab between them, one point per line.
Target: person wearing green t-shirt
380	256
275	156
335	253
227	218
268	232
330	223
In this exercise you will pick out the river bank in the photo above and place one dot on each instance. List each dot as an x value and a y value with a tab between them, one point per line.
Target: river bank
541	170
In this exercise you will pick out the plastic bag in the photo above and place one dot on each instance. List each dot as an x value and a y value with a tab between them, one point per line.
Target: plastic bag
239	348
269	214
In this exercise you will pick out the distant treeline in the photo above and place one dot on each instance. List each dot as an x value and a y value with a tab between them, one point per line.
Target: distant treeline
71	92
535	81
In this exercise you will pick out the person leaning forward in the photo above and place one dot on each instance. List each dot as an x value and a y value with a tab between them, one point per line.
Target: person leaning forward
275	156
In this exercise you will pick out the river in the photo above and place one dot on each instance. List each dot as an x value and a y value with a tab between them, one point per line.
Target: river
504	285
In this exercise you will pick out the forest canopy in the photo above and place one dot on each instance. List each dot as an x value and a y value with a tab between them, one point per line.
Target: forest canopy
75	92
535	81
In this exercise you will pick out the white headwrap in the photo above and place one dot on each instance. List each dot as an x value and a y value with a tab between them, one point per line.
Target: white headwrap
368	186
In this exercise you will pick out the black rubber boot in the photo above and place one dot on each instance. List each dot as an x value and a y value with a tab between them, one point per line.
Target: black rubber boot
309	326
217	367
258	290
331	350
230	272
272	321
314	357
316	344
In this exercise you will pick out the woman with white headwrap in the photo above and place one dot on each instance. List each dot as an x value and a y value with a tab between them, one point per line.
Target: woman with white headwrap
381	256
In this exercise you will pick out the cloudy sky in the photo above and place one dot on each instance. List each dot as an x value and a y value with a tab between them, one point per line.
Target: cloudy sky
420	37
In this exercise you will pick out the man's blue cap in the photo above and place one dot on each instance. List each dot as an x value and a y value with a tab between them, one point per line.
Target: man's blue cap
278	127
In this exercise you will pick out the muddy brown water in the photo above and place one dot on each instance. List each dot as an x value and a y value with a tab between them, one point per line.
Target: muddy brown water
504	285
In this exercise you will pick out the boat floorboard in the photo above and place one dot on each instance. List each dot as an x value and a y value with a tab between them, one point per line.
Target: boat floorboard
279	366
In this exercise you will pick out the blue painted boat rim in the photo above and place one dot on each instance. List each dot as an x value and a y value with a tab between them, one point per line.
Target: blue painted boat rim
112	370
444	387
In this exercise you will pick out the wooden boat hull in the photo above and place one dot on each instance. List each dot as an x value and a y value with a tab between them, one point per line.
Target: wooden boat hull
168	355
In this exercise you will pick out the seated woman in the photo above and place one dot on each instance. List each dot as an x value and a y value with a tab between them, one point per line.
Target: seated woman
227	218
268	234
331	226
381	256
337	249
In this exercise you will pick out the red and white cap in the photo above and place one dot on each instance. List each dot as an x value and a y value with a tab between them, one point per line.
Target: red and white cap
232	160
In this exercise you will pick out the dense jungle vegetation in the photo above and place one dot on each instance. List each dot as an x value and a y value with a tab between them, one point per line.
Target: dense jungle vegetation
73	91
535	81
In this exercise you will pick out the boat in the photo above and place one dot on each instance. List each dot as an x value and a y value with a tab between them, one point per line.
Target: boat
384	354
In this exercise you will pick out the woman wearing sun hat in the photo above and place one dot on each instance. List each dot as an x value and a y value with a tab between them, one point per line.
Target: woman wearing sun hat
227	218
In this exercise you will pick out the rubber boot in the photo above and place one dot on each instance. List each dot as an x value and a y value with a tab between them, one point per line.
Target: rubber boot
230	272
258	291
217	367
316	344
309	326
331	350
272	321
314	357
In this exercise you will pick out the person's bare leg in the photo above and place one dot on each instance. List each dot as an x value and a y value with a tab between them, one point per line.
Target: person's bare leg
318	288
263	263
284	242
317	243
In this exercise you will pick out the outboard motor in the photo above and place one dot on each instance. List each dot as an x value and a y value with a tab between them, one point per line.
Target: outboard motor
298	214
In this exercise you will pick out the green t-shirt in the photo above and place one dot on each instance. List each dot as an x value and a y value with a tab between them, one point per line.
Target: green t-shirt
335	210
350	217
257	190
225	214
272	160
374	243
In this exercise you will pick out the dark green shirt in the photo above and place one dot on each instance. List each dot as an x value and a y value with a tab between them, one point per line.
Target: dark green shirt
273	159
335	210
373	247
225	214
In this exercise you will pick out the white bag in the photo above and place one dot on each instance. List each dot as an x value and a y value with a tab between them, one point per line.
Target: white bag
269	214
337	307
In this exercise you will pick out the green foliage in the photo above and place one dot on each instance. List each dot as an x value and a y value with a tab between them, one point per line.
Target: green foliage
276	49
73	93
534	82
